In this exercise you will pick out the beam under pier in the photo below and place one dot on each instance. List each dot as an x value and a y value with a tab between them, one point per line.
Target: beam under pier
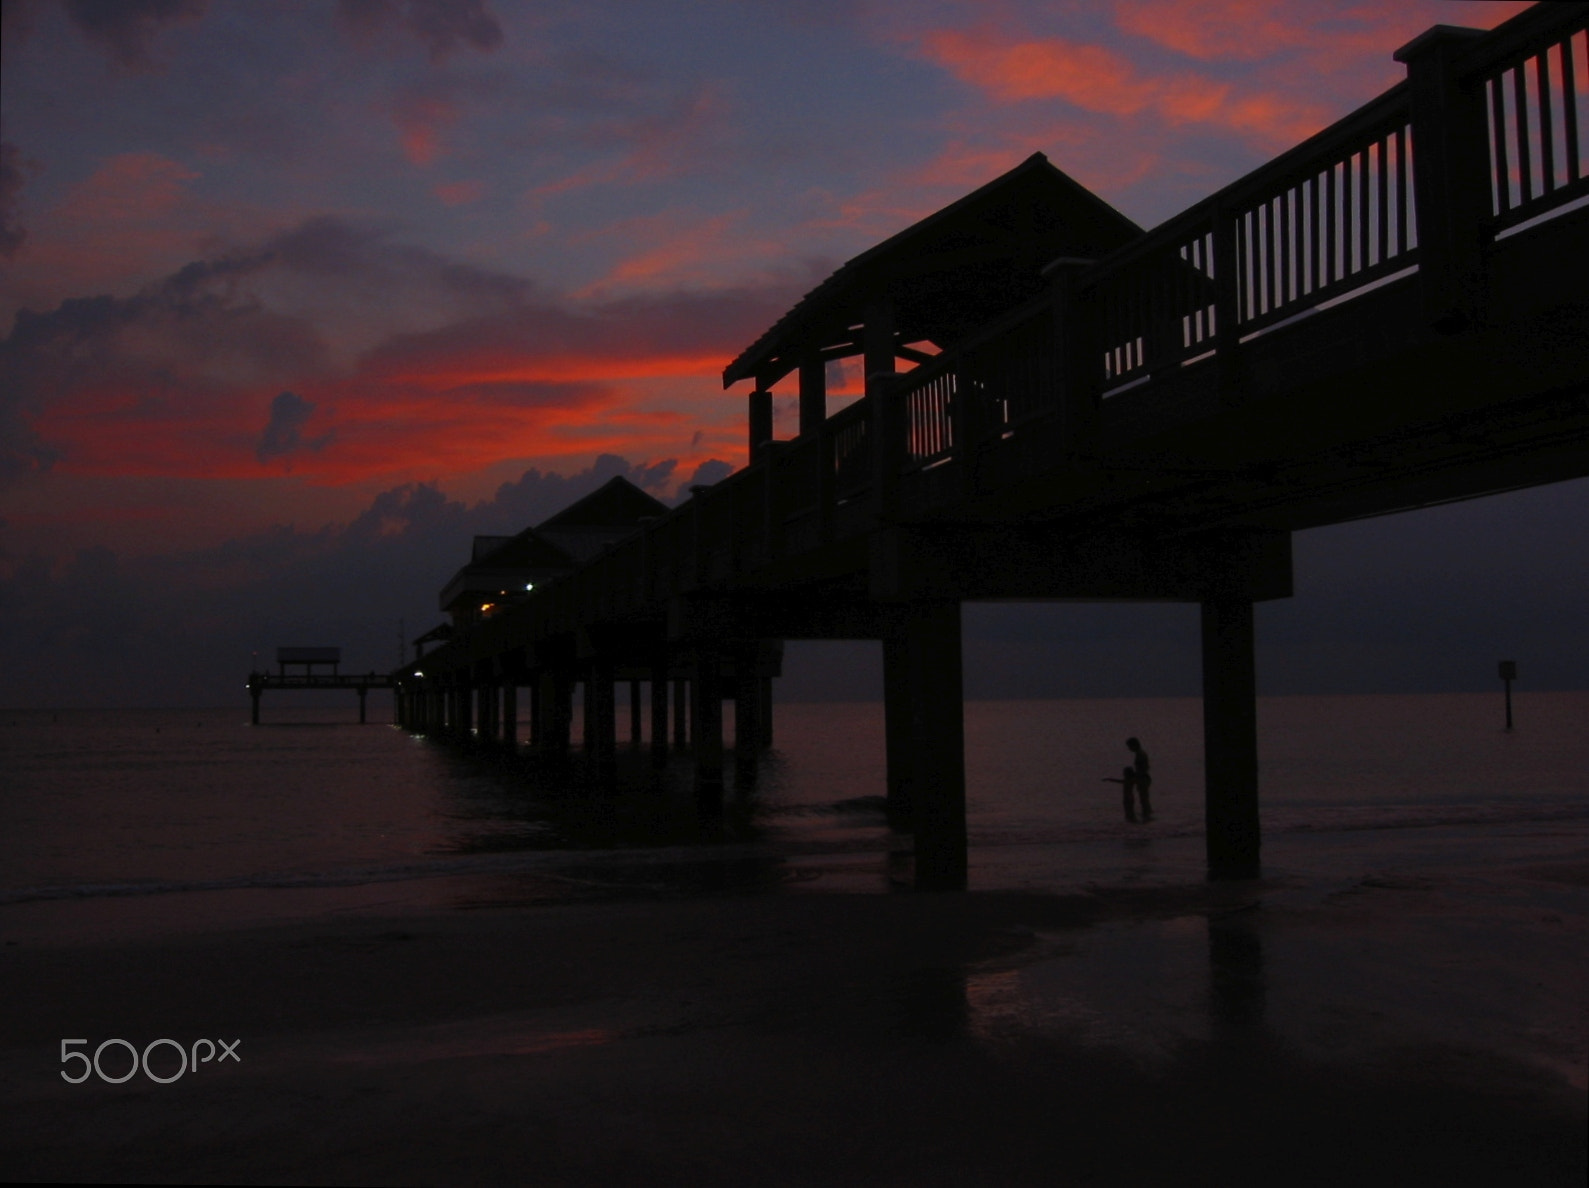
1230	739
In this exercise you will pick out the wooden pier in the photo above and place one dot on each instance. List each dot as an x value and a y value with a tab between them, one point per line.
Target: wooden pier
1059	405
304	661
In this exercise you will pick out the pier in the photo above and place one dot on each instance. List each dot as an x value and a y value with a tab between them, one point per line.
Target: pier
1059	405
304	661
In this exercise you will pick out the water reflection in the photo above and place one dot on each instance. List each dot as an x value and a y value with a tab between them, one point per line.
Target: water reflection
1237	988
931	1003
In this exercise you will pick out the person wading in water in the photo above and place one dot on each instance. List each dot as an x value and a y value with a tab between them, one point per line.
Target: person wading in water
1144	780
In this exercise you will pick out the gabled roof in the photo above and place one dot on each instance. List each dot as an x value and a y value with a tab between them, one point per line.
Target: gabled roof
505	563
949	273
617	503
528	550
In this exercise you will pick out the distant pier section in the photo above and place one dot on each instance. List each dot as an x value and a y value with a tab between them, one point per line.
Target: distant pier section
303	662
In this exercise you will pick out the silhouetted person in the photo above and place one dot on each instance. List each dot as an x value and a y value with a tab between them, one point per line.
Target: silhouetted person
1127	782
1144	777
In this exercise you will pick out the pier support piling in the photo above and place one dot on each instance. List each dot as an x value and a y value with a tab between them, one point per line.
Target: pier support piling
1230	739
897	733
659	712
681	713
706	722
510	717
747	714
931	642
557	712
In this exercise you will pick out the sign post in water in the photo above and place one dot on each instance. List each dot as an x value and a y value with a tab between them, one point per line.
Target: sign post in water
1508	675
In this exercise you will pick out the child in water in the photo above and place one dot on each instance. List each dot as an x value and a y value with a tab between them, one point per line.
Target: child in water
1128	784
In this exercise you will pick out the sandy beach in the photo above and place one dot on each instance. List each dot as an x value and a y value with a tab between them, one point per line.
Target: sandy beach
1341	1021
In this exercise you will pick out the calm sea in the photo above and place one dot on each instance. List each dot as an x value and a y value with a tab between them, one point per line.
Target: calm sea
111	804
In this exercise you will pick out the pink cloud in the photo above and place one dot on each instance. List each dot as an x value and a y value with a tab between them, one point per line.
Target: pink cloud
1094	78
1329	35
421	119
460	193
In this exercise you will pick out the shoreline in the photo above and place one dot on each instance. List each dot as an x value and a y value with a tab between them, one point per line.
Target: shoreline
1143	1026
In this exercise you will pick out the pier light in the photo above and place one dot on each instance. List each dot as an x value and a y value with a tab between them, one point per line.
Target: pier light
529	585
417	673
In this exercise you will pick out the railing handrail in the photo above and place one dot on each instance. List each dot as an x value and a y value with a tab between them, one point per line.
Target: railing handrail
1520	37
1326	143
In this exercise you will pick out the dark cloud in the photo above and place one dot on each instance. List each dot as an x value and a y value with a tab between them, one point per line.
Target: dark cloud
338	250
17	18
691	325
713	470
198	331
442	26
283	434
349	584
126	29
12	167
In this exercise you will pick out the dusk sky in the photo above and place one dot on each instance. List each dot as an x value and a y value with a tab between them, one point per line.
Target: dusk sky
297	296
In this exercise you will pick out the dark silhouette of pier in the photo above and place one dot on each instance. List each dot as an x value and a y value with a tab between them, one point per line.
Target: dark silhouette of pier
1388	316
304	661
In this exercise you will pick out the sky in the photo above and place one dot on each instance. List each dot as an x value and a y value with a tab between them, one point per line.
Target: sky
296	297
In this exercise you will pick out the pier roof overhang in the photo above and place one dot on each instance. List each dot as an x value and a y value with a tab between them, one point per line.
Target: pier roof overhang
948	274
505	567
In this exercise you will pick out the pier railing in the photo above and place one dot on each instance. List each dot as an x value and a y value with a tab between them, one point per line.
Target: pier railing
1485	135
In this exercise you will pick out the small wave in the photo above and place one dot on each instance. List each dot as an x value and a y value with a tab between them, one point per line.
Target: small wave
547	862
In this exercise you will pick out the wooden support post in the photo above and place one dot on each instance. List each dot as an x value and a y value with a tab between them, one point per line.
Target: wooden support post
1451	160
659	711
764	701
706	713
254	693
760	422
1230	739
362	692
747	714
557	712
897	740
634	712
510	715
887	428
606	707
1080	361
681	713
937	727
813	395
485	700
536	724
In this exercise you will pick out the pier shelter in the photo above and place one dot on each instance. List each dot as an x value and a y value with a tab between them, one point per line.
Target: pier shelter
1059	405
303	662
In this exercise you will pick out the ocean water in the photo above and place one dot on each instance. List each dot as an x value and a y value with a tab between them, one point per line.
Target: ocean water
105	805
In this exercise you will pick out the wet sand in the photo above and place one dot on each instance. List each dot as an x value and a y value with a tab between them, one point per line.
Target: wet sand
1402	1009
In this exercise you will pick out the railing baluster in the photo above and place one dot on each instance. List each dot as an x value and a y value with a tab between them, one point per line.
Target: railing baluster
1547	146
1569	106
1285	248
1382	207
1363	227
1525	165
1401	190
1501	182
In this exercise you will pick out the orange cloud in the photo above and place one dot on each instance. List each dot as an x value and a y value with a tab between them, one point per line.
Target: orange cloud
1096	79
1251	30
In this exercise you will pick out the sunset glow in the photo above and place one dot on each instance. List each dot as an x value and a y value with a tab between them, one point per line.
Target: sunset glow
288	279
